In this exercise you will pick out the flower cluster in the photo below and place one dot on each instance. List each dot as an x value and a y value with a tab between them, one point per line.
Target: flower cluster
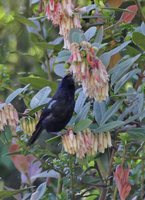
62	14
85	142
28	123
89	70
8	116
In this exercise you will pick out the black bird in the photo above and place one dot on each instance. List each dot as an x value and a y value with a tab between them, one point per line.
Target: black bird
59	110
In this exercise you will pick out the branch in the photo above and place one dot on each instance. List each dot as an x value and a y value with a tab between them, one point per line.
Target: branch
59	184
140	10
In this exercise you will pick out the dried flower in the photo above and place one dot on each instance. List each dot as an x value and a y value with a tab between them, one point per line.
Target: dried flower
28	123
8	116
85	142
89	70
62	14
54	11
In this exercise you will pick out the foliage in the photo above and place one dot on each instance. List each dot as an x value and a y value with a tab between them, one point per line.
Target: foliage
32	61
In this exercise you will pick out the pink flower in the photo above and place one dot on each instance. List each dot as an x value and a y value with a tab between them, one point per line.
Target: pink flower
62	14
54	12
89	70
85	142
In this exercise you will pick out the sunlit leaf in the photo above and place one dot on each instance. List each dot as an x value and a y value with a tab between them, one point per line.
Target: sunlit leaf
139	40
38	82
25	21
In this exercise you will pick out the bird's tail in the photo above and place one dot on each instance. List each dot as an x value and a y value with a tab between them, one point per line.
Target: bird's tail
34	136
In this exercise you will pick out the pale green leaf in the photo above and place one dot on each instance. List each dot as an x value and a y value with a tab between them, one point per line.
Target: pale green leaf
81	125
40	98
17	92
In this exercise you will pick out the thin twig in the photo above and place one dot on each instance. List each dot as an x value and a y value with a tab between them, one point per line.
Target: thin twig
119	9
60	184
140	10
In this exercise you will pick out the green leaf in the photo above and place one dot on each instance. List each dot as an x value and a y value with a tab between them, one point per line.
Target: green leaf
139	40
38	82
17	92
124	79
83	112
76	35
54	139
62	58
137	130
119	48
6	193
60	69
46	174
25	21
90	33
137	133
99	110
40	98
90	7
33	111
107	55
103	164
99	36
143	28
81	125
46	45
121	68
105	58
110	112
131	119
64	53
80	102
109	126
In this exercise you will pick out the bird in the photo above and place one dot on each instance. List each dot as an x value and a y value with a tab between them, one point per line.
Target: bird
59	110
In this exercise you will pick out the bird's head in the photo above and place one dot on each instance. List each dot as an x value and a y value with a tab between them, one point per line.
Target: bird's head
68	82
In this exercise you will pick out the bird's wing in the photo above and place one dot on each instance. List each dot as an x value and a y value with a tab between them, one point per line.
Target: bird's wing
47	112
